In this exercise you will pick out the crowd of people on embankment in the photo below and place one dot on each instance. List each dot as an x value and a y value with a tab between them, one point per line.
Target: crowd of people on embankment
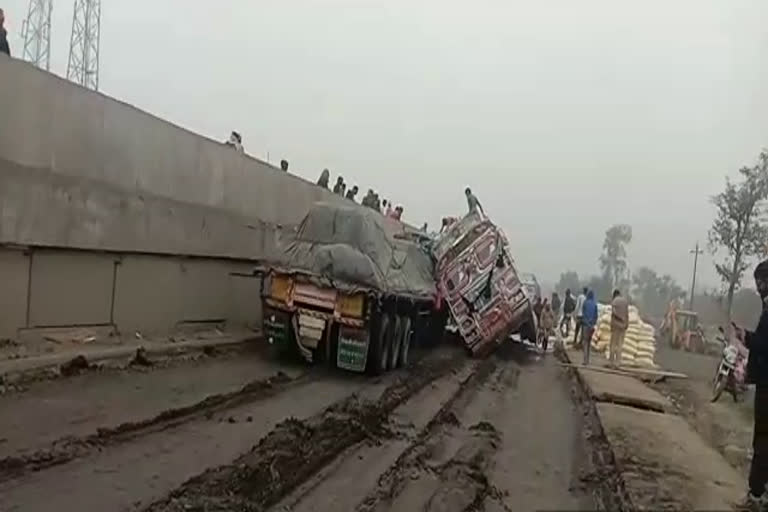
372	199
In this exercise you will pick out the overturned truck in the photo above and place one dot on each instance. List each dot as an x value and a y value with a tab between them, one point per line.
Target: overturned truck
352	290
478	279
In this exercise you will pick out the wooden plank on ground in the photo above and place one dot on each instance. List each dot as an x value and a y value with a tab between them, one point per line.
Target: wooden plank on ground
629	372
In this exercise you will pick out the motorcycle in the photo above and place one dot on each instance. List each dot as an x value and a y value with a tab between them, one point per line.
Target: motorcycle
731	371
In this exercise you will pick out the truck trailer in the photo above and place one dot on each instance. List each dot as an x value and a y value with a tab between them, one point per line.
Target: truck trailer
352	289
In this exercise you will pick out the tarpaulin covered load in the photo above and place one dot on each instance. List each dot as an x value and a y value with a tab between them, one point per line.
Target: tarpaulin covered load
350	247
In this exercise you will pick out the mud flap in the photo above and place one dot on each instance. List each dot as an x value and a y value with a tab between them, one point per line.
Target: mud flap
352	351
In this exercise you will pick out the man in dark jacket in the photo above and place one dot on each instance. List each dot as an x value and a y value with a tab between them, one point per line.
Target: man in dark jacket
4	48
757	374
588	323
569	305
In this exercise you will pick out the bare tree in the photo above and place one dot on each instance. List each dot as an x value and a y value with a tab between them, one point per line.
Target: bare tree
613	261
739	229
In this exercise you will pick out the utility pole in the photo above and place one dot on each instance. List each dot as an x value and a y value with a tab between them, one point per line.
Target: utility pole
695	253
36	31
83	66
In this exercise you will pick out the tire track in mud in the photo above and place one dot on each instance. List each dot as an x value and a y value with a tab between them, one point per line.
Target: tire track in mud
67	449
423	478
295	450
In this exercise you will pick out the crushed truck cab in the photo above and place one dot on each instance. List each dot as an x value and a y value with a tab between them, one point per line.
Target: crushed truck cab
352	290
478	279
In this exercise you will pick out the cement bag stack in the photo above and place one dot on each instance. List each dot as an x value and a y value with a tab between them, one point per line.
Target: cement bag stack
602	337
639	346
646	345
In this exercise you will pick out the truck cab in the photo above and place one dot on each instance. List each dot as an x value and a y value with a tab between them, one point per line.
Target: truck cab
477	278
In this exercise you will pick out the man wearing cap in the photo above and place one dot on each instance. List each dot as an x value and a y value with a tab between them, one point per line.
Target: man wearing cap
757	374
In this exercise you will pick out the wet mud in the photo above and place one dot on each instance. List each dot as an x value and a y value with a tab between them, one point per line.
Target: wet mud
423	479
67	449
296	449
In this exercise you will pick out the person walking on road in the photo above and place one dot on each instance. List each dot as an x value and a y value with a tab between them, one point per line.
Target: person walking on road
569	305
588	323
619	324
579	312
4	47
757	374
547	324
555	306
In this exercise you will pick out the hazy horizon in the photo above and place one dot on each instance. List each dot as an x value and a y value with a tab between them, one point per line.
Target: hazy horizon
563	117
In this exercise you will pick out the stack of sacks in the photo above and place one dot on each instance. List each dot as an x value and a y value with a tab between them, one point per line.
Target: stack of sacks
602	337
645	343
639	342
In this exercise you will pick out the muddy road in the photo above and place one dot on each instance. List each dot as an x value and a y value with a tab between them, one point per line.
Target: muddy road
448	433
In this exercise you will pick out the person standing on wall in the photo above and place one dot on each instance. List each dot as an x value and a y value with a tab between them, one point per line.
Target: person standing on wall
588	323
351	193
579	311
284	165
619	324
338	188
325	178
757	374
4	47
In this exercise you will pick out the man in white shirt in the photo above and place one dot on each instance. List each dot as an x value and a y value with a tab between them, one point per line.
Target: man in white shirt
578	312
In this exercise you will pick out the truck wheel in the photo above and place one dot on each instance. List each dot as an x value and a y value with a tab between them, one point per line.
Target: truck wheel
405	343
378	350
396	343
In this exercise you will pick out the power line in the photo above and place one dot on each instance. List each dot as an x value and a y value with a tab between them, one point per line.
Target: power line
83	66
36	31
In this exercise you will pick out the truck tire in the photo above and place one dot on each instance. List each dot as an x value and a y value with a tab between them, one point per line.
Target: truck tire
378	350
396	343
405	342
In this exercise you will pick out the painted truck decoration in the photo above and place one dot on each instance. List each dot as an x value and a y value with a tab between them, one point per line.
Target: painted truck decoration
357	292
478	279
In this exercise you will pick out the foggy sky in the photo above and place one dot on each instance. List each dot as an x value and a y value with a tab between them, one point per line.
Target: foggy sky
564	117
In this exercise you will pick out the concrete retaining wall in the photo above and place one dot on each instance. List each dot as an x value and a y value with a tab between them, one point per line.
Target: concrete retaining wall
122	218
153	294
80	169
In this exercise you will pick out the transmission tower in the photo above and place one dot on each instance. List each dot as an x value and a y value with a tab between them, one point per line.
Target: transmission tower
36	31
83	66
